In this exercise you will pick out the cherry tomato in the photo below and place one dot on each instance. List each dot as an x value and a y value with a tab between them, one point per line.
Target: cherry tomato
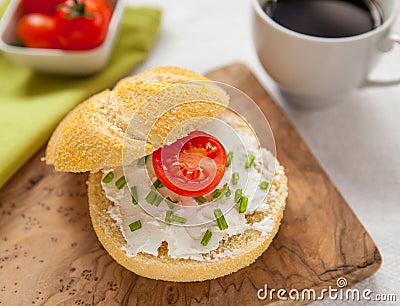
82	24
101	6
192	166
38	30
40	6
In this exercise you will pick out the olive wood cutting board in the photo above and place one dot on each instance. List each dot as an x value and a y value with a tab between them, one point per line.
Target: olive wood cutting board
49	253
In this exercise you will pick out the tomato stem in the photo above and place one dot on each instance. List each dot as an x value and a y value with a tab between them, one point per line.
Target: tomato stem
77	9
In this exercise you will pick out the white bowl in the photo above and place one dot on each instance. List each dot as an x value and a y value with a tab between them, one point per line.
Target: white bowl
57	61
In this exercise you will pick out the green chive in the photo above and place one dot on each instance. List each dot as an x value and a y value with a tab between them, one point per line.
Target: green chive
134	195
158	184
158	200
170	203
135	225
200	199
219	193
220	219
238	195
120	182
228	192
229	159
249	161
263	185
243	204
206	238
177	219
235	178
168	216
108	178
142	161
218	213
153	198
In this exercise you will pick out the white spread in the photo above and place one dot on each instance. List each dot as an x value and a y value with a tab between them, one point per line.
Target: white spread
184	240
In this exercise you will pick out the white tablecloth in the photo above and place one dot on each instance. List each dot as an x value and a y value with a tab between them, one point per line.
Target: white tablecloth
356	141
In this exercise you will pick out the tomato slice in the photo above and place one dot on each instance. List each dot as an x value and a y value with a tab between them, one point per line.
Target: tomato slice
191	166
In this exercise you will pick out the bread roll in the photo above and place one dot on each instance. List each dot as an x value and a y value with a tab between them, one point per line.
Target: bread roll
141	114
92	136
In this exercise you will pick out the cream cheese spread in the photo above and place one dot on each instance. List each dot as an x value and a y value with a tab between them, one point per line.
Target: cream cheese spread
184	240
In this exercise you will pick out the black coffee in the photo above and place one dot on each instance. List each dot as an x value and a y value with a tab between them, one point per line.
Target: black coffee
326	18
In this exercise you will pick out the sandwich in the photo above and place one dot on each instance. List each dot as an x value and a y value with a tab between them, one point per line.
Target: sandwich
179	187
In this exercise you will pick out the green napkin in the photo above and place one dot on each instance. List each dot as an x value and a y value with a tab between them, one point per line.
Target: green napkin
31	104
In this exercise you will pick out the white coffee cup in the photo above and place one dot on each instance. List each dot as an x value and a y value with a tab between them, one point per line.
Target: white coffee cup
315	71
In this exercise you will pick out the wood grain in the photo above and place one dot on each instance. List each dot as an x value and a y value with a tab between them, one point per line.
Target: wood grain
49	254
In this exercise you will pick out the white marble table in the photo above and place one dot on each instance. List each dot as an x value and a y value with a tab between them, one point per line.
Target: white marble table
356	141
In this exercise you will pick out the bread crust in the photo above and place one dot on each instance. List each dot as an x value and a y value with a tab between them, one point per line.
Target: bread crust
248	245
93	135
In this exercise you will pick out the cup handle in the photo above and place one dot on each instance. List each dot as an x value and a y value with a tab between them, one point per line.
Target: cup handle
392	39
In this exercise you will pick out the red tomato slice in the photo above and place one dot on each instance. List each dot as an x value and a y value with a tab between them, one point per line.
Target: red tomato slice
191	166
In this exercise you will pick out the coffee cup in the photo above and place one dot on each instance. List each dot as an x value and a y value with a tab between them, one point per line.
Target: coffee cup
316	71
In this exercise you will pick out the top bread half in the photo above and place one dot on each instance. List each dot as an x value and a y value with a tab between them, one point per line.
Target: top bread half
139	115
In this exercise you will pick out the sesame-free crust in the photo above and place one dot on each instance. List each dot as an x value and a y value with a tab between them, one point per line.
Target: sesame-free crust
153	104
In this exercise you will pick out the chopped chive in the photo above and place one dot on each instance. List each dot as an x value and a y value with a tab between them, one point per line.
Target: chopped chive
238	195
264	185
134	195
243	204
235	178
168	216
170	203
249	161
153	198
158	184
219	193
158	200
229	159
175	218
108	178
135	225
200	199
220	219
206	238
218	213
142	161
120	182
228	192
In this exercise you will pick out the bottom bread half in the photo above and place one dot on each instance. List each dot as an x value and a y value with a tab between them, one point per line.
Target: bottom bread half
241	250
